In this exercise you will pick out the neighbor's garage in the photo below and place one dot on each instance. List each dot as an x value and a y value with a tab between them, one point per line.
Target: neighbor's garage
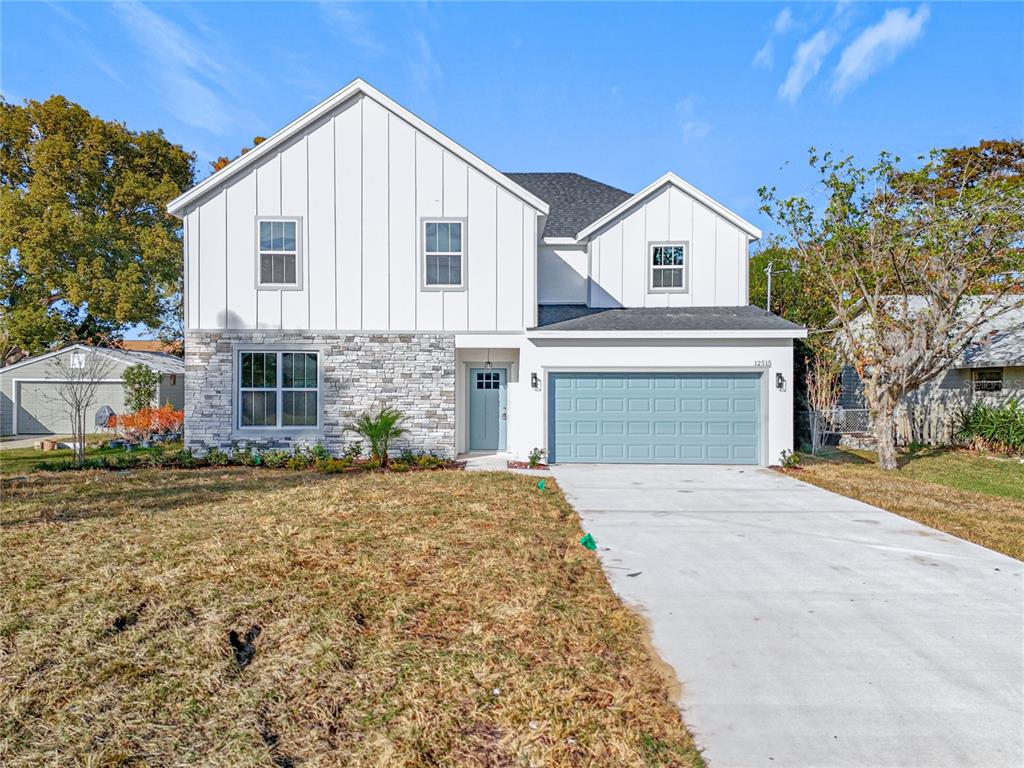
670	418
41	411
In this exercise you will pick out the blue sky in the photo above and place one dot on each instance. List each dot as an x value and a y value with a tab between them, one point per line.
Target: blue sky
730	96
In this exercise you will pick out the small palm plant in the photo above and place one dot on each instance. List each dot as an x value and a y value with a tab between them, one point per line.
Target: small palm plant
379	431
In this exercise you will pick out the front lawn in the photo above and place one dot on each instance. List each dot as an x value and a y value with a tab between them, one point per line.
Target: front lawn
441	618
975	496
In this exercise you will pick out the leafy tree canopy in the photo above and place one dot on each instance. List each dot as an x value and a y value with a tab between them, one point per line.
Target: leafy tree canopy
87	245
894	252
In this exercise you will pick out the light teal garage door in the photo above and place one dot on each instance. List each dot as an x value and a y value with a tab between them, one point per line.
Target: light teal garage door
653	418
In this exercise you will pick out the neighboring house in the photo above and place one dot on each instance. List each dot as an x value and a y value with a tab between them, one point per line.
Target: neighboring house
360	258
30	402
990	371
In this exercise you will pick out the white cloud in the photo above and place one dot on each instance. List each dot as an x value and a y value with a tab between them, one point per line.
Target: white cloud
877	46
198	78
806	64
765	56
352	26
783	21
692	126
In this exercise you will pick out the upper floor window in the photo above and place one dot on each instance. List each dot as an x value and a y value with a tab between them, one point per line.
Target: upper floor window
668	266
444	253
988	380
278	259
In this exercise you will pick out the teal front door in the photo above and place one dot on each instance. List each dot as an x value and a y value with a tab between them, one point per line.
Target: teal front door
487	409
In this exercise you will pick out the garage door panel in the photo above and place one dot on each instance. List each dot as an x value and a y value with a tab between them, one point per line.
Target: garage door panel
40	409
713	418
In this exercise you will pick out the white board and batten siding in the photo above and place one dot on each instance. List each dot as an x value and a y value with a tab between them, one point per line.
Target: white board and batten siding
717	255
361	179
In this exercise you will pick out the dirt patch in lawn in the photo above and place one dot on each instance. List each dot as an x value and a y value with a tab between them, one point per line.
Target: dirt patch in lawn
419	620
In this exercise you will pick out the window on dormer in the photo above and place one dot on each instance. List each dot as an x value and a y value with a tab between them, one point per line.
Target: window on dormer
668	266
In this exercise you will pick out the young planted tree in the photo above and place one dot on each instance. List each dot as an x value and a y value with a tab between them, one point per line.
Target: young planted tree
910	262
80	374
86	247
140	387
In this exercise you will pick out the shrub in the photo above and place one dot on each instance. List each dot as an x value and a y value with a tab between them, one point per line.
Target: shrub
995	428
246	457
789	459
146	422
379	431
353	451
298	460
318	453
215	457
140	386
536	457
276	459
334	466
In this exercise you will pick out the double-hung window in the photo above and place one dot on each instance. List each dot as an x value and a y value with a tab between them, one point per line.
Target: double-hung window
278	258
278	389
444	250
668	266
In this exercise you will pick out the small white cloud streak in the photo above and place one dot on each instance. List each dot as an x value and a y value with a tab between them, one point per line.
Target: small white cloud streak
878	46
806	63
765	57
352	26
692	127
783	21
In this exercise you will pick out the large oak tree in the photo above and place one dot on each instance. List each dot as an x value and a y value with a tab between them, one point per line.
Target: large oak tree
87	246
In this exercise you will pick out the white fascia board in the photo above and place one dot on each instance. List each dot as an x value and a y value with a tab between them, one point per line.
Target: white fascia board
681	184
358	86
561	241
613	335
40	358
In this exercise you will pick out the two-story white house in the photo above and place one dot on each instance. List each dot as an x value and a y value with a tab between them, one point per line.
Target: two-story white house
360	258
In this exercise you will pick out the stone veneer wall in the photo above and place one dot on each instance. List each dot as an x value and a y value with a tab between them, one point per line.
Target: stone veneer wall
359	372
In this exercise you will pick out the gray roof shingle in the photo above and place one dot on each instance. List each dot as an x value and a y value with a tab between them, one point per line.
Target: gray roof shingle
573	317
575	200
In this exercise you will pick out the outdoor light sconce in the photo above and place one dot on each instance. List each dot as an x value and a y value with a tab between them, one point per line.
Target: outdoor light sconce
534	381
780	382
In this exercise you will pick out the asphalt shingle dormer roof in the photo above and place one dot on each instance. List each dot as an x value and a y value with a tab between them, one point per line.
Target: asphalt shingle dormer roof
575	200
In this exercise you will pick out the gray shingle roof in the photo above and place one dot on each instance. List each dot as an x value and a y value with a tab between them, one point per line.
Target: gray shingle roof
575	200
572	317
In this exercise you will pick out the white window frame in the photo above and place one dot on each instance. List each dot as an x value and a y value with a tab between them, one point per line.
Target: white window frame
297	285
279	389
685	268
463	260
989	386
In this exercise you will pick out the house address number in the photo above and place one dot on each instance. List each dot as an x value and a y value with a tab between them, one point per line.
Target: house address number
763	363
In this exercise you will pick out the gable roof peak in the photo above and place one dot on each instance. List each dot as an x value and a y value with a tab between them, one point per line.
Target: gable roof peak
355	88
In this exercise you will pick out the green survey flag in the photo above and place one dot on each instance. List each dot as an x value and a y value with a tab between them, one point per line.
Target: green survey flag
541	484
588	541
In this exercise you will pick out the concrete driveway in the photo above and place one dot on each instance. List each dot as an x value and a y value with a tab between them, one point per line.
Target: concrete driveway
808	629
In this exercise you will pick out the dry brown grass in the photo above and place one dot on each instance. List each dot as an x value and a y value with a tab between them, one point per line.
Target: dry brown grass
430	619
992	519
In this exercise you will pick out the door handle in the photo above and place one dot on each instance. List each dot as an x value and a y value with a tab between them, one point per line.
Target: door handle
504	416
